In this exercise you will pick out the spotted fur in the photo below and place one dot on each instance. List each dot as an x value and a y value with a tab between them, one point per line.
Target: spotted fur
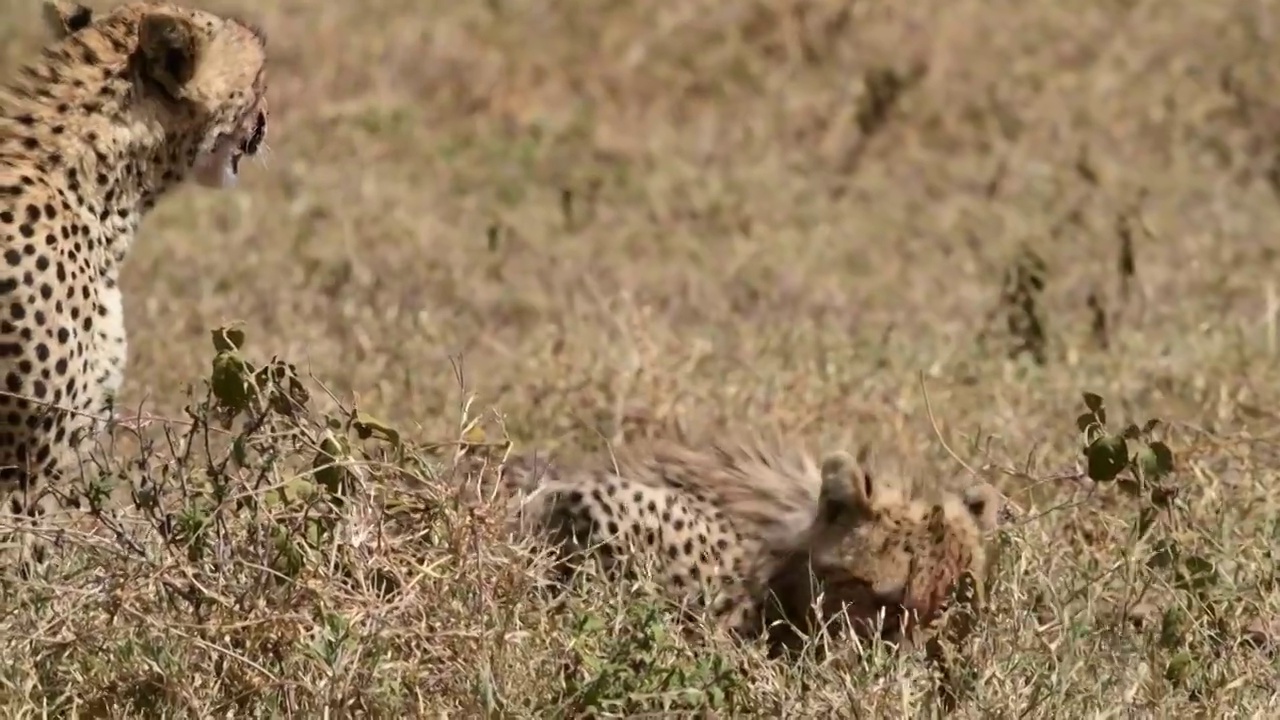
767	533
711	523
119	108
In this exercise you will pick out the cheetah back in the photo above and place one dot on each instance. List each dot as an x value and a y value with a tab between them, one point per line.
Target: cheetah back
711	523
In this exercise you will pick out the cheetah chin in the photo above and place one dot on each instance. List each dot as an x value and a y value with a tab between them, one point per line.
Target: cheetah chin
220	167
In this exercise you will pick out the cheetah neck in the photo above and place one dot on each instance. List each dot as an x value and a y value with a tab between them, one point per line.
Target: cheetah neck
80	128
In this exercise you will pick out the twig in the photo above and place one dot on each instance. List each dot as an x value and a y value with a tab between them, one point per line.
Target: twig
933	421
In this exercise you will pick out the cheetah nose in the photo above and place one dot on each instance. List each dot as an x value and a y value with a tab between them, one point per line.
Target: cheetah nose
891	628
894	598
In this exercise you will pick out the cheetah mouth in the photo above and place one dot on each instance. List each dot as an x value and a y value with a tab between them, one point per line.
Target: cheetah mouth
893	625
251	143
220	167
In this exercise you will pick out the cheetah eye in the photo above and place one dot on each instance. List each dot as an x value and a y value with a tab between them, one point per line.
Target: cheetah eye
79	19
175	62
890	599
977	506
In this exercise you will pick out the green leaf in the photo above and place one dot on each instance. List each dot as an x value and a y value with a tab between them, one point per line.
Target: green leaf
227	339
1164	457
1086	421
1179	667
1173	626
1145	462
1091	427
590	624
367	426
1093	401
293	489
240	451
288	560
297	489
1150	425
327	465
314	532
1131	432
228	381
1196	574
1154	461
1107	457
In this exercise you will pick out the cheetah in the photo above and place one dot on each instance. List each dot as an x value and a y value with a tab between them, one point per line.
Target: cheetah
910	554
768	532
711	522
120	107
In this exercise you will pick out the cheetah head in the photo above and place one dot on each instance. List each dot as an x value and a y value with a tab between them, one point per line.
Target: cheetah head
890	560
202	75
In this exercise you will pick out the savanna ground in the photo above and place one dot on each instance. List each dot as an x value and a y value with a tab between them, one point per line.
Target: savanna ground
575	223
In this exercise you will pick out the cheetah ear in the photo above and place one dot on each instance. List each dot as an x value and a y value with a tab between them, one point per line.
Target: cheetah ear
984	503
169	48
65	18
846	487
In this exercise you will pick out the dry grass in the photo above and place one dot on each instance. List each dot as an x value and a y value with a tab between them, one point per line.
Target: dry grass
575	223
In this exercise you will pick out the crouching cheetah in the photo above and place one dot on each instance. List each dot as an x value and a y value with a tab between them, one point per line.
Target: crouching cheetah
766	533
907	559
118	109
711	523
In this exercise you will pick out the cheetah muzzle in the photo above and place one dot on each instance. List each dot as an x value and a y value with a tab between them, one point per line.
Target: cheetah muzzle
221	167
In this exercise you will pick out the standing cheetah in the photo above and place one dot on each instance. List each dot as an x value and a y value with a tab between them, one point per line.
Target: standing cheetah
118	109
748	524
